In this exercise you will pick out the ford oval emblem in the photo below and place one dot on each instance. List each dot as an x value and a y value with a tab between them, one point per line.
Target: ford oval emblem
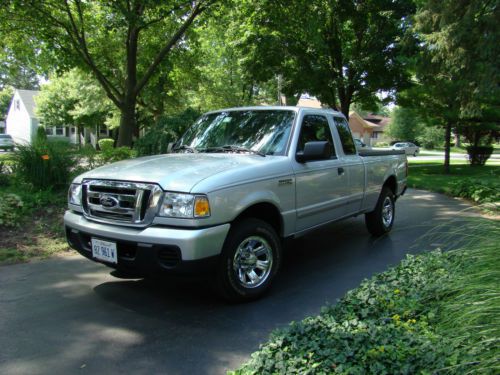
108	201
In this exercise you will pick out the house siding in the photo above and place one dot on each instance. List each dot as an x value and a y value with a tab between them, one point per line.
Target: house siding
19	124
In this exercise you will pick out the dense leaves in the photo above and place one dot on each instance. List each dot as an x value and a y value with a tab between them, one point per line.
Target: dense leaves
342	51
405	320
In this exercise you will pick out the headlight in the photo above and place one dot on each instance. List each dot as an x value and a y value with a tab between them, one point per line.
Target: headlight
75	194
186	206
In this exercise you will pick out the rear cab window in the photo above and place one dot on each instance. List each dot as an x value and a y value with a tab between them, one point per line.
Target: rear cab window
345	136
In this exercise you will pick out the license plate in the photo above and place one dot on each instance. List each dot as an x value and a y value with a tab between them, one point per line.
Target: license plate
104	250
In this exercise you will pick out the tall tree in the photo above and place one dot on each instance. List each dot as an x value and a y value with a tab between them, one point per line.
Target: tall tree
457	70
122	43
73	98
342	51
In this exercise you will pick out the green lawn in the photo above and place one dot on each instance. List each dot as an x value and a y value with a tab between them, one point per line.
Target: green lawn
432	177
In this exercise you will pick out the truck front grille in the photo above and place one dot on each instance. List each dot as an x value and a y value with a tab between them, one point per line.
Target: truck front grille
125	203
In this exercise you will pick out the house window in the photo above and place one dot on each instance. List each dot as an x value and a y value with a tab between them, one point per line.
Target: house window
73	130
59	130
375	135
49	131
103	131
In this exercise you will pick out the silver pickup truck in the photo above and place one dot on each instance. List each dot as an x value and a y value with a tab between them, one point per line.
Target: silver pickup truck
237	183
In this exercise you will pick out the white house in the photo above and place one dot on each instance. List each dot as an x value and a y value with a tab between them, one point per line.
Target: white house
22	123
21	120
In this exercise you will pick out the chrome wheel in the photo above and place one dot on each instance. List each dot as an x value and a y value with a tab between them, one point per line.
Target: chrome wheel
387	212
253	261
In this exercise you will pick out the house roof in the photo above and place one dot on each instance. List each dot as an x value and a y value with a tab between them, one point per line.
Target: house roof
381	121
28	99
366	124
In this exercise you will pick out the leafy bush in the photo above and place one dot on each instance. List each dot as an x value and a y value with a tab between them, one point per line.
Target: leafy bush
44	165
478	155
105	144
380	327
431	137
4	174
11	210
476	190
111	155
87	159
167	130
405	320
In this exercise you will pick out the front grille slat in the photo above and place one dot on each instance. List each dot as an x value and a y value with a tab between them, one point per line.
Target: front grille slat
124	203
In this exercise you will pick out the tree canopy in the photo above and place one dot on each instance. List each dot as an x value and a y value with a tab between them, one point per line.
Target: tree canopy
341	51
122	43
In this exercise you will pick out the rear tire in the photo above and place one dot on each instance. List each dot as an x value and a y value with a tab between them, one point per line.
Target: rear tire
250	259
379	221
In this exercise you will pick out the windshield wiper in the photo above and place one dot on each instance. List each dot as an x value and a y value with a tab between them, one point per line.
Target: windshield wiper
186	148
232	148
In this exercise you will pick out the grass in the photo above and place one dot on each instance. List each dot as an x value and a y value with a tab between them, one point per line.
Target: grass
431	177
436	313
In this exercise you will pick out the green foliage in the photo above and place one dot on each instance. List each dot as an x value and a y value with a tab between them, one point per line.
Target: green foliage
111	155
166	131
431	137
11	210
73	98
5	98
383	326
44	165
105	144
324	48
476	190
381	144
478	155
405	124
123	47
398	322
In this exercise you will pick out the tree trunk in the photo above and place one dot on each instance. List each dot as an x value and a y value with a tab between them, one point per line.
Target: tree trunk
127	124
447	148
344	108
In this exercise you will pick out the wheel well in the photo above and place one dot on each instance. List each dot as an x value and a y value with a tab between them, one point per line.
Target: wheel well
266	212
391	184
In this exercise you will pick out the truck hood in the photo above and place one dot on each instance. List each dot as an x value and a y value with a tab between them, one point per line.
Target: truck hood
173	172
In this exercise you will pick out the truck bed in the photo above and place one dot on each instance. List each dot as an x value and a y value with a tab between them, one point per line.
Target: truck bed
380	152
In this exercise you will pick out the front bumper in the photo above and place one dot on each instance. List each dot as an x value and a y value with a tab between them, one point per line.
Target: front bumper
152	250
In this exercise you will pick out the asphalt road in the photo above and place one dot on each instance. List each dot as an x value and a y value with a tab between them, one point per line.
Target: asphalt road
69	316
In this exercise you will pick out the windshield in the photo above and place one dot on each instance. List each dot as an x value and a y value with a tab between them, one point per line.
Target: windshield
262	131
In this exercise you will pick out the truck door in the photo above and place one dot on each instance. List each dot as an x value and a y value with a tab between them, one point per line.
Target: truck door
321	185
353	165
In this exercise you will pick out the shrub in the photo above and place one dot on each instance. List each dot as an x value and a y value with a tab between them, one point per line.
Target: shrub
87	158
477	190
381	144
11	210
434	313
167	130
105	144
431	137
44	165
111	155
478	155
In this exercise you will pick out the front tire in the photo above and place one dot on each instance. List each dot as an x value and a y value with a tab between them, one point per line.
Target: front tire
379	221
250	259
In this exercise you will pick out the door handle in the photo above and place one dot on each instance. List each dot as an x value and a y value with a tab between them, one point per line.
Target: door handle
340	171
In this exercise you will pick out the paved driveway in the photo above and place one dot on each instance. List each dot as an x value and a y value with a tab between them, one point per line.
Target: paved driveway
69	316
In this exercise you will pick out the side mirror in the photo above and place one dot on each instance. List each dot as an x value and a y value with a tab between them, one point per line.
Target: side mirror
318	150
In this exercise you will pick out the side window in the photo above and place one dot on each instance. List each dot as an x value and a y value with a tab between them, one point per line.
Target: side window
345	136
315	128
